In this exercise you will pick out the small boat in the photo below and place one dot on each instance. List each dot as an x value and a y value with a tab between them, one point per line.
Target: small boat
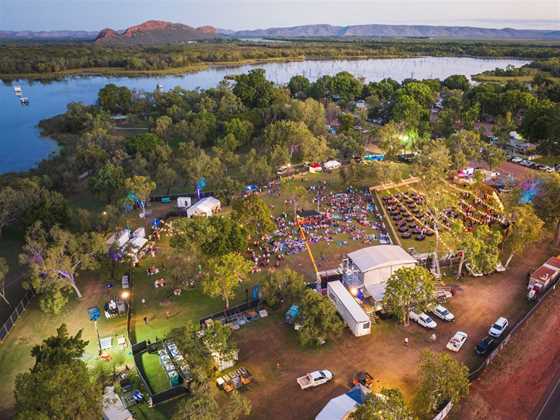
159	86
17	90
24	100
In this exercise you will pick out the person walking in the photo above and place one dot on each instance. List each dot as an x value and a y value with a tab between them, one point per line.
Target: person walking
406	341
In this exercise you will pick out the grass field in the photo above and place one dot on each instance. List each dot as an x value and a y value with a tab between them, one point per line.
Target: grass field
157	378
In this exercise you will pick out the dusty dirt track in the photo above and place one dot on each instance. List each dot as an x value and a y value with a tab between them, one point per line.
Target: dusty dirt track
514	386
270	349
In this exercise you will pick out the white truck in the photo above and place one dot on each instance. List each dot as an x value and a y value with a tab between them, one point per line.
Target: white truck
313	379
422	319
350	311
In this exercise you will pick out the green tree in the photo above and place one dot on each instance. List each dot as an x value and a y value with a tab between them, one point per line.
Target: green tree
390	136
482	249
547	204
409	288
223	276
299	85
4	269
141	186
255	216
108	181
59	349
59	385
388	404
242	130
115	99
64	391
162	126
525	229
55	257
254	90
318	318
283	285
457	81
442	379
300	141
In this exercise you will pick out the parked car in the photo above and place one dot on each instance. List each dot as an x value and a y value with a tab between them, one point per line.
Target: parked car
516	159
499	327
422	319
457	341
486	345
313	379
442	313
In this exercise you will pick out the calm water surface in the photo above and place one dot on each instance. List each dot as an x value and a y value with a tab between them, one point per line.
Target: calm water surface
21	146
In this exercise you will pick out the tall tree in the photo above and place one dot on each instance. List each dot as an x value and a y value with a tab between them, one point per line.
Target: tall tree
283	285
525	229
64	391
223	275
319	319
4	269
409	288
54	258
59	349
255	216
388	404
547	203
59	385
442	379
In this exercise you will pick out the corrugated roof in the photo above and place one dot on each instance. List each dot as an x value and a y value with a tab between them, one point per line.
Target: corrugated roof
554	262
379	256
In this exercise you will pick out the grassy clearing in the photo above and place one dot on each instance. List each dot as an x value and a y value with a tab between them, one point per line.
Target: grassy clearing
158	379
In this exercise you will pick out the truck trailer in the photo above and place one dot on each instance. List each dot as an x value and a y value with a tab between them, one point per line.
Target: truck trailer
350	311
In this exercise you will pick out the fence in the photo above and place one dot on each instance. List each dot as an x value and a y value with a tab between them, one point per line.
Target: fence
18	310
478	371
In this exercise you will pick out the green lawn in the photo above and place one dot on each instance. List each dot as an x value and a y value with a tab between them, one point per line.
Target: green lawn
155	373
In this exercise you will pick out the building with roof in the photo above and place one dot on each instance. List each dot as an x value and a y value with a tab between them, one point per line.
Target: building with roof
370	268
340	408
208	206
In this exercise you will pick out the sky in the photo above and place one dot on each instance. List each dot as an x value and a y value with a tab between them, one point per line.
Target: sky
252	14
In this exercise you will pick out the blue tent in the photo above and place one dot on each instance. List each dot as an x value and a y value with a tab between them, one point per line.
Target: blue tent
292	314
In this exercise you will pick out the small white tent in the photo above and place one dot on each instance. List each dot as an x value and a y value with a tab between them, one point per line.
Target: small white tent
113	407
205	207
184	202
332	165
120	238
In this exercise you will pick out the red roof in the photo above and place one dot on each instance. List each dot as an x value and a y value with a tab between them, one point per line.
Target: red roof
554	262
544	274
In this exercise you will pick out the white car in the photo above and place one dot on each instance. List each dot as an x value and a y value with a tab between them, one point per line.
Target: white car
457	341
442	313
516	159
316	378
499	327
422	319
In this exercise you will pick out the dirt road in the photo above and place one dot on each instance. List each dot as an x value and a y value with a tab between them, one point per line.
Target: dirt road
515	385
269	349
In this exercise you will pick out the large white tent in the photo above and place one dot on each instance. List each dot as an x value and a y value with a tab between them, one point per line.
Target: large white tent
371	267
205	207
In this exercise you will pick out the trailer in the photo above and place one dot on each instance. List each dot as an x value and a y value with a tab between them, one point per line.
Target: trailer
350	311
543	277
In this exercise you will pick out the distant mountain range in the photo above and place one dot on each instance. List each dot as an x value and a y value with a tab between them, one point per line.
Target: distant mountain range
49	35
397	31
160	32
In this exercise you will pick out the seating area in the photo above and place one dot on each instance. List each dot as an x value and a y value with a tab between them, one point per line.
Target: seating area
405	209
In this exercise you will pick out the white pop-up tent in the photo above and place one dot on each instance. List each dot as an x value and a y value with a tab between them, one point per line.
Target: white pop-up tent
205	207
332	165
120	238
184	202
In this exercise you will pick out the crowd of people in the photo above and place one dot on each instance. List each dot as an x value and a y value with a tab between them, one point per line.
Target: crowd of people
338	219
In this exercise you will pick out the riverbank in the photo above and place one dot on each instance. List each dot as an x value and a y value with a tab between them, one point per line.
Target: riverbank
174	71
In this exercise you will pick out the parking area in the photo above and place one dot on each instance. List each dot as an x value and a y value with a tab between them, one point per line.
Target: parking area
271	351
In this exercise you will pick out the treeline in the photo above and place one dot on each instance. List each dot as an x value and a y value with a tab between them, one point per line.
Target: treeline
54	58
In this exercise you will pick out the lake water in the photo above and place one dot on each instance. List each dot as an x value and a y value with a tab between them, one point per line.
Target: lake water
21	146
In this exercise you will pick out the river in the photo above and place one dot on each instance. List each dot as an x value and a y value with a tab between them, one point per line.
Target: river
21	146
